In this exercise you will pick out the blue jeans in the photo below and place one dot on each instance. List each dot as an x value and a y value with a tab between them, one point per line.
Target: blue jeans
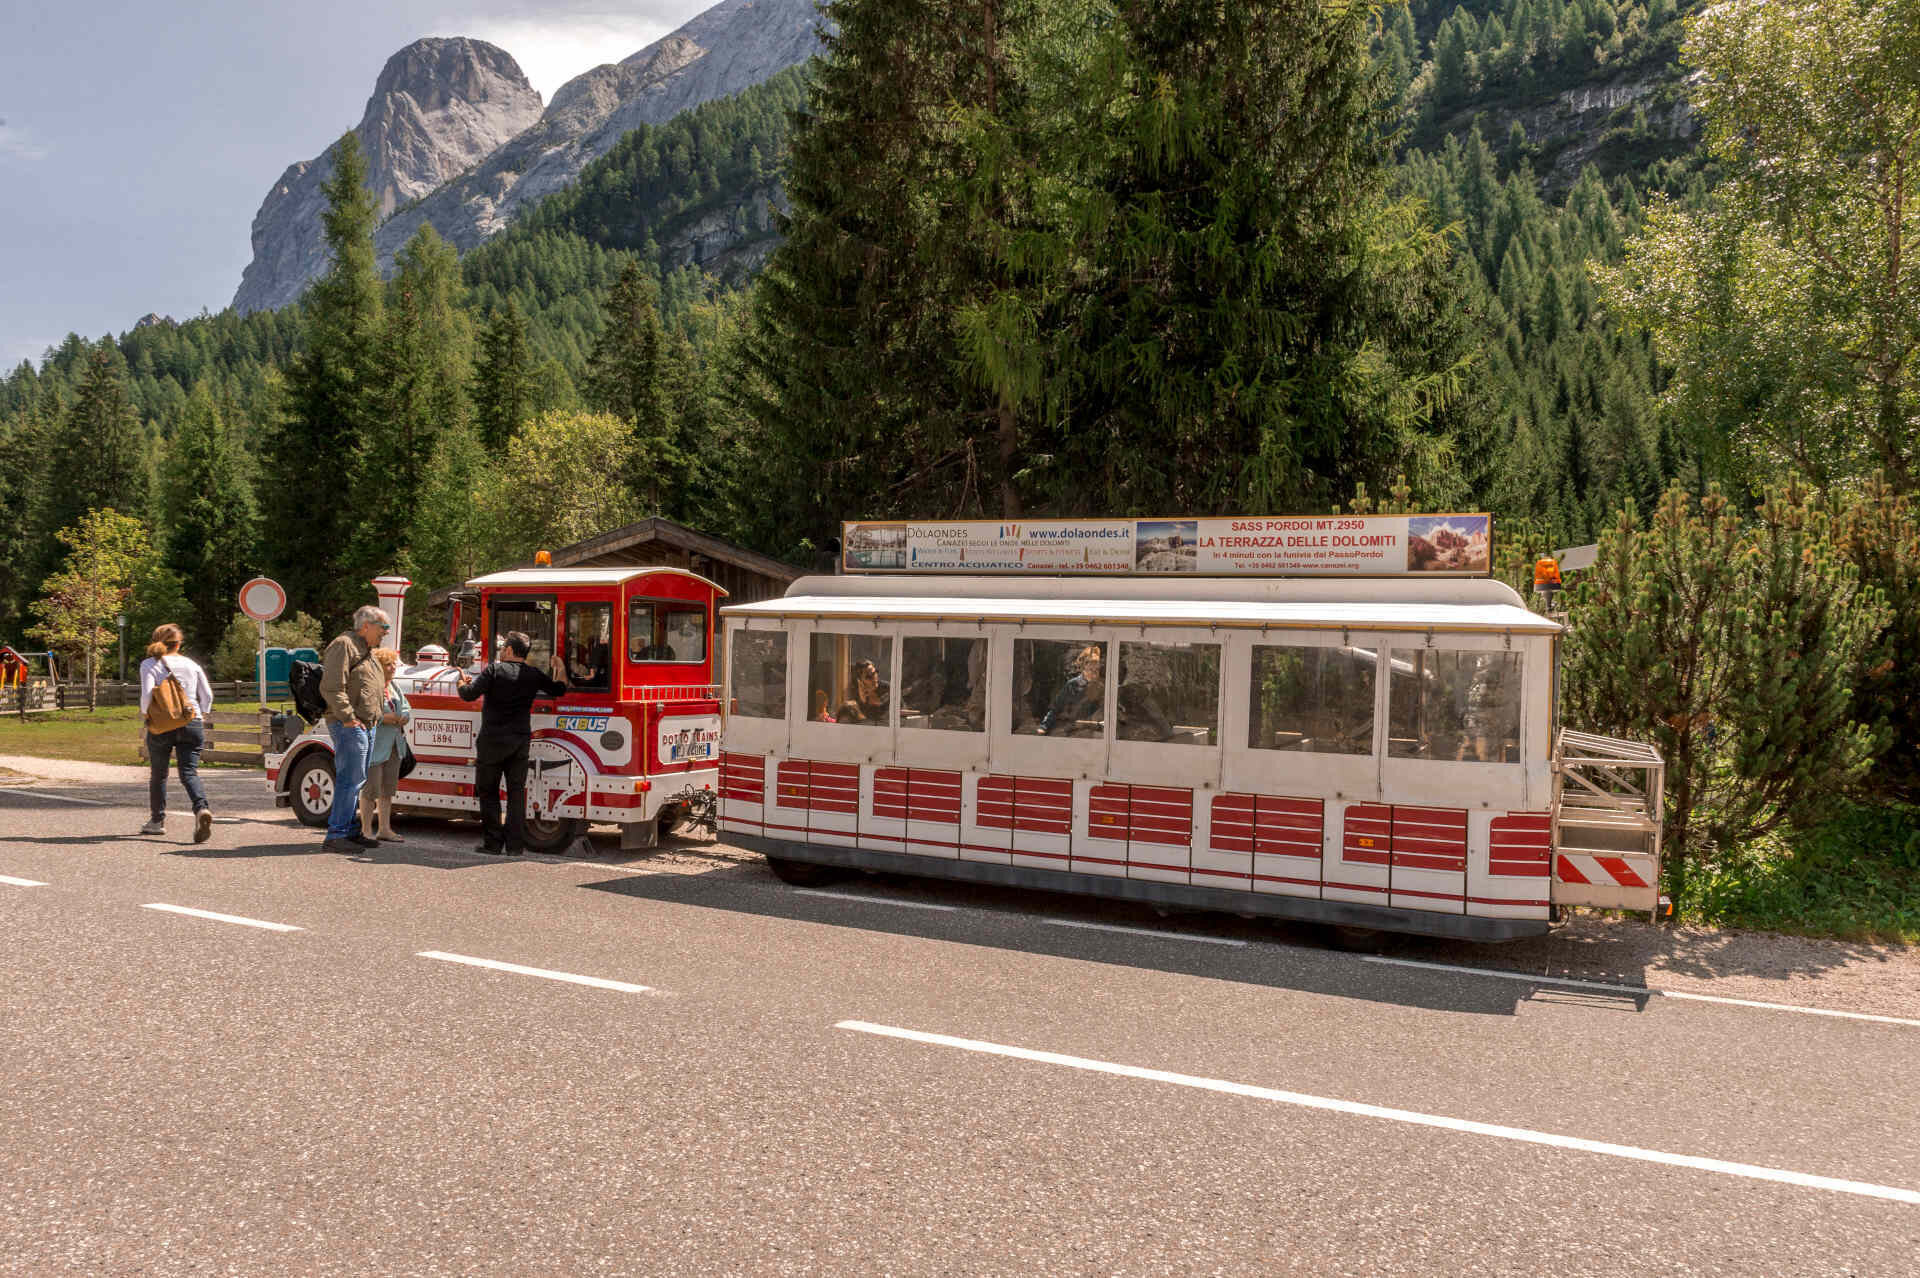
350	745
183	743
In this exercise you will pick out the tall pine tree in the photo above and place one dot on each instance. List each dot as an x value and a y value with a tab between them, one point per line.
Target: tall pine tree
503	377
630	376
329	406
207	505
95	457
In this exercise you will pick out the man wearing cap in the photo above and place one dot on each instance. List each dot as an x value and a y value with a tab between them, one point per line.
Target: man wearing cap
510	686
355	690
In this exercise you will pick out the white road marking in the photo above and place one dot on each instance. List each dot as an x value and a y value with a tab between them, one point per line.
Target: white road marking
1145	931
58	798
1641	990
875	900
222	918
599	983
10	881
1413	1117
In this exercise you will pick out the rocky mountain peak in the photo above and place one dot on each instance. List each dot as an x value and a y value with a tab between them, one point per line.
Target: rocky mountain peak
439	106
455	137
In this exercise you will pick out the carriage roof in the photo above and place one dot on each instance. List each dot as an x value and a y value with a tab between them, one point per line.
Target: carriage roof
553	578
1475	605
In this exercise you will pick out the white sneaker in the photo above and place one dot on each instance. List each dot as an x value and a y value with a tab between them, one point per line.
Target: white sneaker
157	826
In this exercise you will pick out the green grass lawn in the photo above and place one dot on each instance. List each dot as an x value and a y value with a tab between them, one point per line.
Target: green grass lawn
1855	878
108	735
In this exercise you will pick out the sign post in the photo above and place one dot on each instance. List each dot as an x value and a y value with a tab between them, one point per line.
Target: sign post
263	599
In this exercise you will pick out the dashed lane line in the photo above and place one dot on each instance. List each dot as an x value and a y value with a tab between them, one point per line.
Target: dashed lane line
1328	1104
10	881
597	982
1640	990
221	918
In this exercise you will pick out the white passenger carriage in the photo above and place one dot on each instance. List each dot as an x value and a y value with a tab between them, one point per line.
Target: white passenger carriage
1375	752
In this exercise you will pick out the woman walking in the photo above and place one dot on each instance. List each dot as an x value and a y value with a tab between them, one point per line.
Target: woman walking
383	760
175	698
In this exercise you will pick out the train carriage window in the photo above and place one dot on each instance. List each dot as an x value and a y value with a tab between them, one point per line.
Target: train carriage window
533	617
1461	706
659	630
1169	692
759	673
589	650
1059	688
1315	700
943	684
847	679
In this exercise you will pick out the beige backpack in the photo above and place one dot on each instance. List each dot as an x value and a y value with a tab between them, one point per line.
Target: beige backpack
167	705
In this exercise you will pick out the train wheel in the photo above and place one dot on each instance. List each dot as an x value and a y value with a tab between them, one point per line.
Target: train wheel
668	821
801	873
312	790
1357	940
554	834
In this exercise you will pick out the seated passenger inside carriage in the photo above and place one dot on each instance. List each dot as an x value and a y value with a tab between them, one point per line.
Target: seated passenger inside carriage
1078	707
867	706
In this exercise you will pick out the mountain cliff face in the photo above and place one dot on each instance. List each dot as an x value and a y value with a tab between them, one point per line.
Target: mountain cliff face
730	47
439	106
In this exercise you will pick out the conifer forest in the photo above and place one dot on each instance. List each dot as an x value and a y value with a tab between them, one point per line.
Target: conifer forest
1024	258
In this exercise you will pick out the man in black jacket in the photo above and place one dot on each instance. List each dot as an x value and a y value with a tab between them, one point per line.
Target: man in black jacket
510	686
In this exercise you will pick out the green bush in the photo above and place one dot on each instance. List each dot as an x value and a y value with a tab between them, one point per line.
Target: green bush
235	658
1856	877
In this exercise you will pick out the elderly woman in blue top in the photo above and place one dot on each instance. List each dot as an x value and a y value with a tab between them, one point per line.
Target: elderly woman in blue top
383	758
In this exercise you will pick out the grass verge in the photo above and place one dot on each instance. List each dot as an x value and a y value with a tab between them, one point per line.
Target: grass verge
1854	878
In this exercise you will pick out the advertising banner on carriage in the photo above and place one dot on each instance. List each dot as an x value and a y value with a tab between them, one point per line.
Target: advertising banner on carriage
1455	545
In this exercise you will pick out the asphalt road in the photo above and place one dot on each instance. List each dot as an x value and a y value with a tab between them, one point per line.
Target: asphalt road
886	1076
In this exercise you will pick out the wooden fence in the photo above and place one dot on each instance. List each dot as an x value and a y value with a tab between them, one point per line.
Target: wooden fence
39	698
234	736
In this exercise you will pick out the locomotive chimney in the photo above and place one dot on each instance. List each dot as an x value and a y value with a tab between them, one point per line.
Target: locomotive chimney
393	597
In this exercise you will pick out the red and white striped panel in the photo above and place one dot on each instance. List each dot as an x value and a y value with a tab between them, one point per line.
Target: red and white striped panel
1230	828
1612	880
1160	833
833	806
743	792
986	826
1594	870
1102	846
1222	853
1519	845
933	812
1430	839
790	796
1429	859
1289	840
1366	852
883	825
1042	834
890	793
1511	880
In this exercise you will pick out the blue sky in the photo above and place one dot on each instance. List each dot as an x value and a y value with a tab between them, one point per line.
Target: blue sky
138	139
